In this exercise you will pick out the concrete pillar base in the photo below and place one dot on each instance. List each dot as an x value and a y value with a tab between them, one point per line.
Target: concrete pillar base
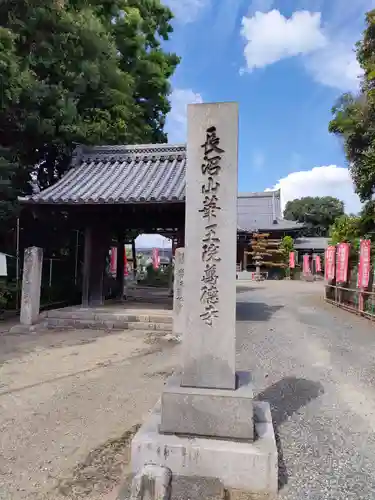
248	466
219	413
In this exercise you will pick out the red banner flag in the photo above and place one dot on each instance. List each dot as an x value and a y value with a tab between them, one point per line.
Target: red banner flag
318	264
306	264
364	263
113	262
330	263
292	260
342	259
126	273
155	258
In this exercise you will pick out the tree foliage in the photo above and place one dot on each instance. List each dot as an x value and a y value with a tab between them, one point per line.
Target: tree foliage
78	71
317	213
354	118
367	218
265	251
346	229
287	246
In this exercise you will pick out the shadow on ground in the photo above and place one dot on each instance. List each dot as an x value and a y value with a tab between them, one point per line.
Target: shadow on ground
255	311
286	397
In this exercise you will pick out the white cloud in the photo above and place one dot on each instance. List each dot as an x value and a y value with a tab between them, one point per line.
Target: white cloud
328	180
327	52
186	11
176	125
271	37
335	66
152	241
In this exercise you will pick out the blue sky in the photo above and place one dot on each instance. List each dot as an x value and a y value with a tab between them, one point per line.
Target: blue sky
286	62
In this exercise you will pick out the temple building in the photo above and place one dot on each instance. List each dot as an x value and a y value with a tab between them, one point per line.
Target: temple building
114	193
261	213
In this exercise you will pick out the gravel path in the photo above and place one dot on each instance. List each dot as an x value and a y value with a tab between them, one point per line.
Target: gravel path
316	365
71	401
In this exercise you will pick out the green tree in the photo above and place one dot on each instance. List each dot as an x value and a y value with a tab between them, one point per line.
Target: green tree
287	246
346	229
354	118
138	26
317	213
366	223
78	71
13	180
266	252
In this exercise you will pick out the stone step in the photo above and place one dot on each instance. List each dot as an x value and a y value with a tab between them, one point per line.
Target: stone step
148	298
107	324
87	315
166	327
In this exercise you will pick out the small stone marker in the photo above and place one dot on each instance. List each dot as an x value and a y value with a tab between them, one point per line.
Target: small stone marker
153	482
178	288
210	242
31	283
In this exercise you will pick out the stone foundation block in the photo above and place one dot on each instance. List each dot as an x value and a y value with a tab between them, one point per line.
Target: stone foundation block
208	412
247	466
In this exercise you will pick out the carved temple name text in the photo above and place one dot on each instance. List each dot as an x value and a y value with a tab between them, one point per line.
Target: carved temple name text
211	167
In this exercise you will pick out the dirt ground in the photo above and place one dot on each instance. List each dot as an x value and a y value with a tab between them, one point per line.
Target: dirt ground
71	401
69	405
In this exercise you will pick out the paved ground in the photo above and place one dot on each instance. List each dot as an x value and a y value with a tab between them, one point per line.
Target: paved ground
316	365
70	401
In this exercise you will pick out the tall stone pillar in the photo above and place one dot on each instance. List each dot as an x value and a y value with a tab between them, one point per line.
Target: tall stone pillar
205	426
31	284
211	247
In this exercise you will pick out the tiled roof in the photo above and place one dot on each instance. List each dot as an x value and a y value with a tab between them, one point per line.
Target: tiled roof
311	243
120	174
262	211
147	173
258	210
286	224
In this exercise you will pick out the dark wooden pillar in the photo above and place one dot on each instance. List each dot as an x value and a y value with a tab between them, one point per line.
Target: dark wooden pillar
181	239
86	266
134	255
120	268
98	258
96	249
